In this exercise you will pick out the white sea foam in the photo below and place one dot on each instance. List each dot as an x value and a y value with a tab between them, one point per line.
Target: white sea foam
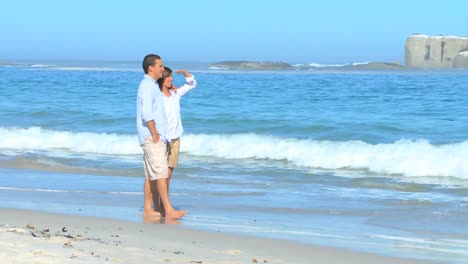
452	246
410	158
218	68
359	63
42	65
318	65
403	157
432	241
35	138
63	191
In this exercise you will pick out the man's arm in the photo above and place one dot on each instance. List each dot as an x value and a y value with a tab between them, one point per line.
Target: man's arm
147	112
152	128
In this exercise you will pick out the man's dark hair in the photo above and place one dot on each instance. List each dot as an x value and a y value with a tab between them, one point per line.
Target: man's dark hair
149	60
166	73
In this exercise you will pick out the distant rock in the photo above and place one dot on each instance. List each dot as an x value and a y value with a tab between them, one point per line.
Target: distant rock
434	52
461	60
252	65
6	63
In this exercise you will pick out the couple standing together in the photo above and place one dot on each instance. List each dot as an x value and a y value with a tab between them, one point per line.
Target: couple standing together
159	127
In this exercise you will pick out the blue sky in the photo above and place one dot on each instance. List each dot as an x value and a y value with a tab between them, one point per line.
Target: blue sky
207	31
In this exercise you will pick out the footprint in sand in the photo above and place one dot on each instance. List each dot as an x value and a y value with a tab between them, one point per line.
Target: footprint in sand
43	253
233	252
16	230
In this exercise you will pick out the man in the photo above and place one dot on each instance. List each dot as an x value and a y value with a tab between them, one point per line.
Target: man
151	129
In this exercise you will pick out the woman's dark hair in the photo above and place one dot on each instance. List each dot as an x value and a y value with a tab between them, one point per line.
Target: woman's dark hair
166	73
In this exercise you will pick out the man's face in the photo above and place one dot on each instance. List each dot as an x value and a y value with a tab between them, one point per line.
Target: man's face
158	68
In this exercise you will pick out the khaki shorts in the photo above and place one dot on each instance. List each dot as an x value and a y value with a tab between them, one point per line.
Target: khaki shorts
155	159
174	147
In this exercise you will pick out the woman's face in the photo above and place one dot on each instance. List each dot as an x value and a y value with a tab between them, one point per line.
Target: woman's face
168	81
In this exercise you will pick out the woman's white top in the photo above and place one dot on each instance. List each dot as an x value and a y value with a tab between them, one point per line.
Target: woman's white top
172	108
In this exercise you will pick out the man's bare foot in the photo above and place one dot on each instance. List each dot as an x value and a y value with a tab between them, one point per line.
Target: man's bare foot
175	214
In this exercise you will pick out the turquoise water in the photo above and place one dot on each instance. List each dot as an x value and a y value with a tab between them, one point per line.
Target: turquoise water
372	161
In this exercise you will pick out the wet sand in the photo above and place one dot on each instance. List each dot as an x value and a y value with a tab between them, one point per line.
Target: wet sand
38	237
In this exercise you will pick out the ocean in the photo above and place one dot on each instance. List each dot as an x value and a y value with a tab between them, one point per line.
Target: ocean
375	161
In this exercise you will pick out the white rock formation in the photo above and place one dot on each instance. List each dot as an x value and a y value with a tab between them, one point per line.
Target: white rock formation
433	52
461	60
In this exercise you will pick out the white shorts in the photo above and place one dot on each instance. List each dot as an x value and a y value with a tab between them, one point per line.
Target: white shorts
155	159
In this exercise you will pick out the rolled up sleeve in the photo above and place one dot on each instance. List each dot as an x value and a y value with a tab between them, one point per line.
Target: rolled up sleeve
146	98
190	83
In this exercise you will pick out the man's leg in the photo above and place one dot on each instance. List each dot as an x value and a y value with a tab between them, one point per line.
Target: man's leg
157	161
150	193
170	212
156	197
161	205
148	200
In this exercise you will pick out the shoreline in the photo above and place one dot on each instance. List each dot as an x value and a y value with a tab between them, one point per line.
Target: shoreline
39	237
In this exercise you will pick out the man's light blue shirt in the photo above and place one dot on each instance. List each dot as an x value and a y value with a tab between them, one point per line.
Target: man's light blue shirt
150	106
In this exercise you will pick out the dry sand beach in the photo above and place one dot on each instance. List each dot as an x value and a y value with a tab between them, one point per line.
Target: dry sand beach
37	237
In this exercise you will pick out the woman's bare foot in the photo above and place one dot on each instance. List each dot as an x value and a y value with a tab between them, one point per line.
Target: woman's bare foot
175	214
151	214
153	220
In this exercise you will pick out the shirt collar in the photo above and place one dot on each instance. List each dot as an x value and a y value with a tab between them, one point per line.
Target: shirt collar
149	78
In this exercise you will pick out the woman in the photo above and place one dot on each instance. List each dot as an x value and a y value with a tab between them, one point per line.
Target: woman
172	97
